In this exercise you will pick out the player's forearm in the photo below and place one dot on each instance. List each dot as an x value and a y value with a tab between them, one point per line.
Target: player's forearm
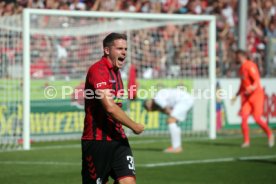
238	92
253	87
118	114
250	89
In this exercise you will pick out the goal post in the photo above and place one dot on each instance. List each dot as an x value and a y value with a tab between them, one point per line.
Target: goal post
26	80
212	77
68	42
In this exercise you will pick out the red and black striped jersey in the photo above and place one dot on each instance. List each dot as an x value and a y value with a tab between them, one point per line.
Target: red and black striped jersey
98	124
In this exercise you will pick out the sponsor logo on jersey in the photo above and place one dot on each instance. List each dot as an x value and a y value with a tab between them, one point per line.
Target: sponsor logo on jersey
100	84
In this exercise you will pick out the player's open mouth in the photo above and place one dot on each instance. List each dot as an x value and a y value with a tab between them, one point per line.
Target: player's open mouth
121	59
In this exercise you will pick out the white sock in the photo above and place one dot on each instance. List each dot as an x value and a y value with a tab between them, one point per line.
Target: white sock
175	132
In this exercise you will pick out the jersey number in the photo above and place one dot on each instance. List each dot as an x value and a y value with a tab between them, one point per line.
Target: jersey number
131	162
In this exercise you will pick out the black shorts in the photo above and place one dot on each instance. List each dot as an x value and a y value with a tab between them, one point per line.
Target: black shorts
101	159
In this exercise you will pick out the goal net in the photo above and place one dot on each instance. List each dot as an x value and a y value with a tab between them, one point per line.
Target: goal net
54	49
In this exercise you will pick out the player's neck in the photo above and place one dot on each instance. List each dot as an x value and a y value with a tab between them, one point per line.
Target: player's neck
243	61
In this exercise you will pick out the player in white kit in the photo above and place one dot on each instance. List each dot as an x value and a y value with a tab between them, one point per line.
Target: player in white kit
175	103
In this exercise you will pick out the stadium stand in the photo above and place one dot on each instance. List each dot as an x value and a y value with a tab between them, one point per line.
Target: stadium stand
261	29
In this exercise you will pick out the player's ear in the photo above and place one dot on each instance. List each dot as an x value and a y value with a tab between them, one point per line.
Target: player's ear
106	50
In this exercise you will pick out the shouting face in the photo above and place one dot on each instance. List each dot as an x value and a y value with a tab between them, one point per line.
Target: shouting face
116	53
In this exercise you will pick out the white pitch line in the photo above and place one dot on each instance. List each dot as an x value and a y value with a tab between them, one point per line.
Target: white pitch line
188	162
151	165
57	147
263	157
79	145
38	163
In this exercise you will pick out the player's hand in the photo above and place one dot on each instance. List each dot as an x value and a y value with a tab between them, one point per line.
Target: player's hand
233	100
139	128
250	89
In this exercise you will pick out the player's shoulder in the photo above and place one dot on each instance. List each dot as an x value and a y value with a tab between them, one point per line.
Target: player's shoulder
249	64
251	67
99	66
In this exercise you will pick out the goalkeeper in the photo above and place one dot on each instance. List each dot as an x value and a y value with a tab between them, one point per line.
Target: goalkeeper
175	103
252	98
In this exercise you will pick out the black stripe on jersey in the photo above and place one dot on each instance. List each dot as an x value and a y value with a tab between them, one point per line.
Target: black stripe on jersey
117	80
113	78
120	82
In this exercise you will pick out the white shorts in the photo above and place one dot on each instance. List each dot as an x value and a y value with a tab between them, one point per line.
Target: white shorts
181	109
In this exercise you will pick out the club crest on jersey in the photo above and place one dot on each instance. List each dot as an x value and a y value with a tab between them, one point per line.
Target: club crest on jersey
100	84
253	70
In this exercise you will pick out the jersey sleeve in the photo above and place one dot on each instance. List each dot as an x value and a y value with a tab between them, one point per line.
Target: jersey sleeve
98	78
254	75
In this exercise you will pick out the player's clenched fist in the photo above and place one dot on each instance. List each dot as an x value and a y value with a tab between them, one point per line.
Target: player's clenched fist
138	128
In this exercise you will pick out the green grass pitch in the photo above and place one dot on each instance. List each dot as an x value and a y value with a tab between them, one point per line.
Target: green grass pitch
202	161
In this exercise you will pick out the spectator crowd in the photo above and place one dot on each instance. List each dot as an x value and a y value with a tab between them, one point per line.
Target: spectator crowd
171	50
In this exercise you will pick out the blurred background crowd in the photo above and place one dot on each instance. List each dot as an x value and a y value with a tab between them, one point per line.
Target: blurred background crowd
179	50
